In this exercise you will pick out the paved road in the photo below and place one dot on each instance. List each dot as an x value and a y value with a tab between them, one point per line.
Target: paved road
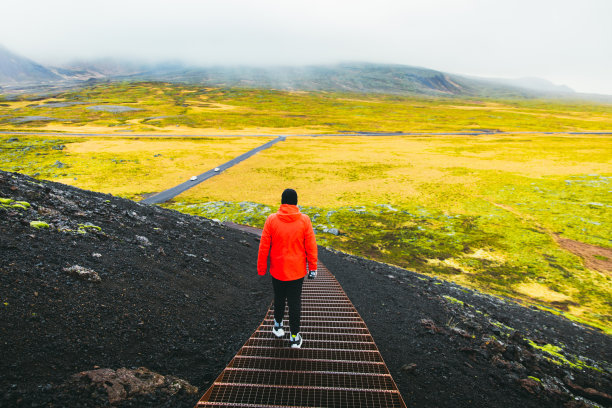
369	134
174	191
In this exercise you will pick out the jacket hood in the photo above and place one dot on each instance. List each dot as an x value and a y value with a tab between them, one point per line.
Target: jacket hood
288	213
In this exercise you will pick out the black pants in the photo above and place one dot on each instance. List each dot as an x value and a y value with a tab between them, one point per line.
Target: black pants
290	291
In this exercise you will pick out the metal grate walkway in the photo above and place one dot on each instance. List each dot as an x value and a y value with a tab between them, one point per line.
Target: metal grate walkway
338	365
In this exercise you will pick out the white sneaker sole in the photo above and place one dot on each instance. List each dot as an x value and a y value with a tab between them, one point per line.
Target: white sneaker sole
278	333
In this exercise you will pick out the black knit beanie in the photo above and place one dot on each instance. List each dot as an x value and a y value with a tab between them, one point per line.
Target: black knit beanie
289	197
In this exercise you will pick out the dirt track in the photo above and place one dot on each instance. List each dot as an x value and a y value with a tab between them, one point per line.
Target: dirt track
594	257
368	134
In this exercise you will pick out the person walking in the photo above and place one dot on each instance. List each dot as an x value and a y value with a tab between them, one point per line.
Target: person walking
288	241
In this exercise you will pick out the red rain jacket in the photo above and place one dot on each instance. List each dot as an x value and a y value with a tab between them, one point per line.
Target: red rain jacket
290	241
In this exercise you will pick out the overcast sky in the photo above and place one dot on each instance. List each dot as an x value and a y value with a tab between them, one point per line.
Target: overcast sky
565	41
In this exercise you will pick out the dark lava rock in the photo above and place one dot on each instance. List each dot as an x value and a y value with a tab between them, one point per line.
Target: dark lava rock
126	385
449	346
54	324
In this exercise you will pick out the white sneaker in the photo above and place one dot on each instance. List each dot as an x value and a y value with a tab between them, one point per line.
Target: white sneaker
277	329
296	340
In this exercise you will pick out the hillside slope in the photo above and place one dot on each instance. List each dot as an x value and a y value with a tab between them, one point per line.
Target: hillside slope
178	295
171	297
348	77
18	74
358	77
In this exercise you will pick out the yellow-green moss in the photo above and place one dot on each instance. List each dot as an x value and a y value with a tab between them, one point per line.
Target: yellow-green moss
607	329
555	356
21	205
453	300
84	227
163	107
10	203
500	325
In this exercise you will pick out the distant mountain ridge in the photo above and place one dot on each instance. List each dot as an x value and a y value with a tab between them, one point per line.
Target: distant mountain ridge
358	77
16	69
349	77
21	74
531	83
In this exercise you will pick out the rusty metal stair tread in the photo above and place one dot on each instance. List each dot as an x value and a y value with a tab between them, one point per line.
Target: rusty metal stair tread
338	365
304	396
310	354
312	343
332	337
309	365
292	378
323	323
324	330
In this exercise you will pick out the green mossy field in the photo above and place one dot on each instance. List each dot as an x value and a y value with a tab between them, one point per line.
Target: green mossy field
171	108
485	211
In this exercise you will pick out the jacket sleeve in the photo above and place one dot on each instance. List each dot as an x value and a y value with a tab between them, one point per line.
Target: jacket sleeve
264	249
310	244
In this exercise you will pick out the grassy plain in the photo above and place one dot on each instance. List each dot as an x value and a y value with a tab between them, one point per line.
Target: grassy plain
480	211
129	167
483	211
181	109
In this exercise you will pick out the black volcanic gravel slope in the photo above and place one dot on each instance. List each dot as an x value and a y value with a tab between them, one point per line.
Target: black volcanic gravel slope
448	346
179	295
